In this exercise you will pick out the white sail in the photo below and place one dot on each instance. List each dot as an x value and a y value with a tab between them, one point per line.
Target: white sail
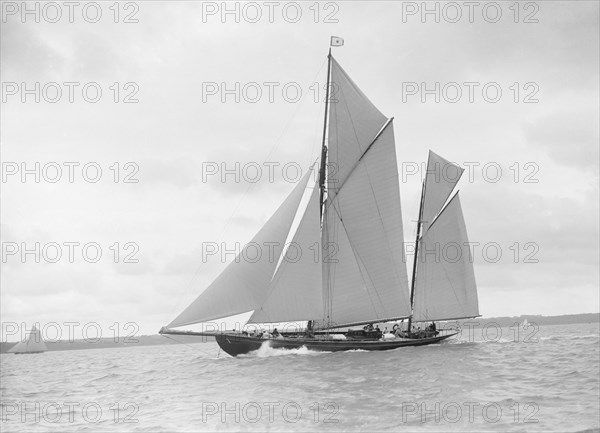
353	124
244	284
33	344
445	287
362	276
295	291
365	277
440	179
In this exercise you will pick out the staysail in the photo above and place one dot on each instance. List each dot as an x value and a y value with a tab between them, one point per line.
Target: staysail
244	285
445	287
295	290
364	272
33	344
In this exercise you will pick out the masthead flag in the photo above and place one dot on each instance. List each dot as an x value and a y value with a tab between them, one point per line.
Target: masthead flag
336	42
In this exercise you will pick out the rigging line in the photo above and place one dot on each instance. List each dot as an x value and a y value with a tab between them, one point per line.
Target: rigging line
453	289
355	134
276	277
296	215
446	201
273	148
395	271
373	142
328	268
451	285
349	115
331	229
330	275
379	212
250	187
359	261
185	344
442	211
351	120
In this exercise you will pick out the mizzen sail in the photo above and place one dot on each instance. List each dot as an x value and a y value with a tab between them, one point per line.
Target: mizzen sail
445	287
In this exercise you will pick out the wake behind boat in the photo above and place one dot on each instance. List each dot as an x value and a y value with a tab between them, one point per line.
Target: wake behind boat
353	214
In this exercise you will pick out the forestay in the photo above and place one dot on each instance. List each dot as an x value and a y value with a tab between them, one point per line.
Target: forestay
244	285
295	291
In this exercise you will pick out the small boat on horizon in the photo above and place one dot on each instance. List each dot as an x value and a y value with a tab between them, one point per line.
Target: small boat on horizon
353	213
33	344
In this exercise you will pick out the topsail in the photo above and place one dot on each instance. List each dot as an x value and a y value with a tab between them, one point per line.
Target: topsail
440	179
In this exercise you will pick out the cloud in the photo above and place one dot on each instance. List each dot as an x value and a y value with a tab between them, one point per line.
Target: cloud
570	137
172	131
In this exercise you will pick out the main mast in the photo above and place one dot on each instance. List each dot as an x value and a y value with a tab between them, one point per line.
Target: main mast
414	272
323	168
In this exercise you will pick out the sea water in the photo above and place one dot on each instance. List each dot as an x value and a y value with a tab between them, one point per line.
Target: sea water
539	379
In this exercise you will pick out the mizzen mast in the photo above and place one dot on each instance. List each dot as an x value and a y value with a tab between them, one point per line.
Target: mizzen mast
414	271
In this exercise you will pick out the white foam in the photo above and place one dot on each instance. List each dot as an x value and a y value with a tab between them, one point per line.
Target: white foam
266	351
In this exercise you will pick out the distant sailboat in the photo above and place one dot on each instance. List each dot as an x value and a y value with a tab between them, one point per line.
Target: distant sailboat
354	215
33	344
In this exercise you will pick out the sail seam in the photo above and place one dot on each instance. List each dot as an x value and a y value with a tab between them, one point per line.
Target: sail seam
359	261
452	286
369	147
446	201
441	212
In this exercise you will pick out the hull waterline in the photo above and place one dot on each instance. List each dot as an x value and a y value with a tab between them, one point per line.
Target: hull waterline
235	344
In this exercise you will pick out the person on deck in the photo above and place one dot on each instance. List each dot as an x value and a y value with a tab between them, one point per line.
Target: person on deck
431	328
275	333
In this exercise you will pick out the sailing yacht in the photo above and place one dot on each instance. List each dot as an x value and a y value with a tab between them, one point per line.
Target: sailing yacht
352	212
33	344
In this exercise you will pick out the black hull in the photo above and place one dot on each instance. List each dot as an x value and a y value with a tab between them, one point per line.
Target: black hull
236	344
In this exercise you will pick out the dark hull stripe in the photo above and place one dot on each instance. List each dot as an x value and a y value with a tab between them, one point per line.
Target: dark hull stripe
235	344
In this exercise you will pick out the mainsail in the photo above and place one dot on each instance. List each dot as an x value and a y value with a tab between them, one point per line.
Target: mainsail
364	272
444	285
33	344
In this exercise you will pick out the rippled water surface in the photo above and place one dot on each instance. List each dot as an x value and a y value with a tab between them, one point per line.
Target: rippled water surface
548	383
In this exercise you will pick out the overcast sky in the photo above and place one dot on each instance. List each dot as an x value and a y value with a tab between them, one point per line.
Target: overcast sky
540	211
